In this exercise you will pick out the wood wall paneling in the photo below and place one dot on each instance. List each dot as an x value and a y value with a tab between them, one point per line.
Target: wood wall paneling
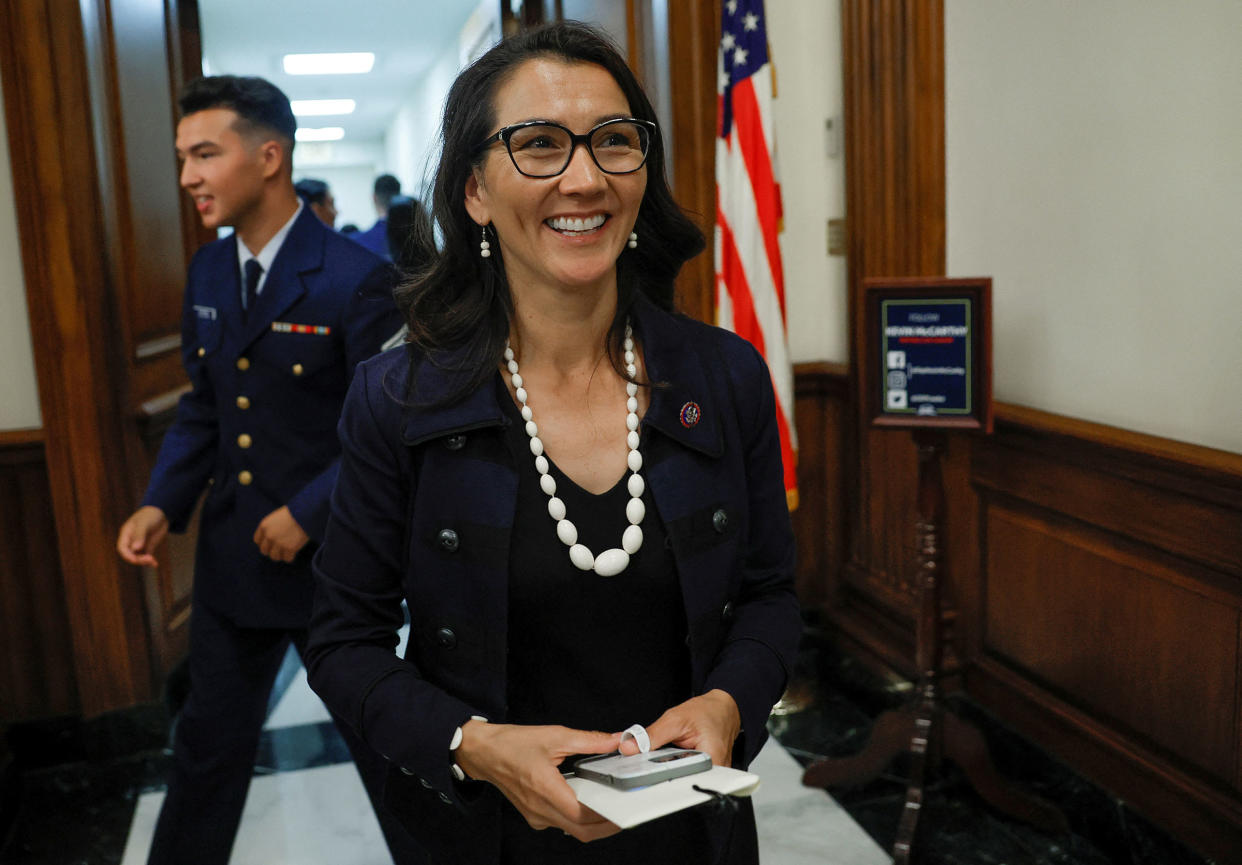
1112	612
821	522
1125	660
36	658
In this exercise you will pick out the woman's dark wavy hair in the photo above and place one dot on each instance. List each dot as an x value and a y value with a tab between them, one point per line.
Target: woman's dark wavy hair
461	302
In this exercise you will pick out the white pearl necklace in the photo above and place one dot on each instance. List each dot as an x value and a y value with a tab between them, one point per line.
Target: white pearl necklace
612	561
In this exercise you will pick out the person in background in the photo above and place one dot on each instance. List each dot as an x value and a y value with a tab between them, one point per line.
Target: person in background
569	567
375	238
318	197
276	317
407	223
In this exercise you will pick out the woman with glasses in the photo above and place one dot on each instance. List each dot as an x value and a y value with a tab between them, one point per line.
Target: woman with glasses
576	491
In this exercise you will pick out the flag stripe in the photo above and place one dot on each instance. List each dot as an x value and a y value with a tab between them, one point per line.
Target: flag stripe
745	322
741	301
749	134
735	212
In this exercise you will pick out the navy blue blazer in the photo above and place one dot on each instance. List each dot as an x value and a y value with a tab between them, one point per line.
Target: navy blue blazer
258	425
423	511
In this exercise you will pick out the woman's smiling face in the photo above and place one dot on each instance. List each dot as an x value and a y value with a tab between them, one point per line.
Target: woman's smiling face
565	231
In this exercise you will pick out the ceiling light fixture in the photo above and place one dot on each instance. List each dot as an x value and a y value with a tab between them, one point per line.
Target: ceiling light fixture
322	107
329	64
322	133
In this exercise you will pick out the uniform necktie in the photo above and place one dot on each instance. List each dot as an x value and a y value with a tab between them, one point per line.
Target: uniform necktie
254	271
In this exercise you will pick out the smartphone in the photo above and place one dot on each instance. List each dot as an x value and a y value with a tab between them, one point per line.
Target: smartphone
641	770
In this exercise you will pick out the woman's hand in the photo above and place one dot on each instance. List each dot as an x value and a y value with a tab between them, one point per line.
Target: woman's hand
706	723
522	763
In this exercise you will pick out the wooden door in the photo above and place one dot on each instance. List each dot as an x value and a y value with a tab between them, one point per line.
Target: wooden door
89	91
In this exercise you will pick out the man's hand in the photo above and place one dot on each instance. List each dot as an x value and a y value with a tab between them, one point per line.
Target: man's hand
709	723
141	534
279	537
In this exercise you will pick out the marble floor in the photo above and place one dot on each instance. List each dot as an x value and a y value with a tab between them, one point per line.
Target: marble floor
307	805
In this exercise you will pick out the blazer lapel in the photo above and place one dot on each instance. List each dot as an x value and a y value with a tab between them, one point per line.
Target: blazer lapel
302	252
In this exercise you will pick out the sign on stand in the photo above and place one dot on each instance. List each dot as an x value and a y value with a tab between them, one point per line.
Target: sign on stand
927	359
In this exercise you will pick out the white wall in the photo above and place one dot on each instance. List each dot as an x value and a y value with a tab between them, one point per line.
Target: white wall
1094	171
19	394
412	143
349	168
805	42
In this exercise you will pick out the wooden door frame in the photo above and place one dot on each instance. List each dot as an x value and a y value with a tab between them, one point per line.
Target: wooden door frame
46	67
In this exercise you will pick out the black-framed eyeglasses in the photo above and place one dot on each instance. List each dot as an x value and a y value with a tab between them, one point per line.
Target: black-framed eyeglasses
540	148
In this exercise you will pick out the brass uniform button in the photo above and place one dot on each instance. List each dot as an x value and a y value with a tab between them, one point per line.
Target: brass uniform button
243	440
245	478
243	402
297	369
202	352
243	363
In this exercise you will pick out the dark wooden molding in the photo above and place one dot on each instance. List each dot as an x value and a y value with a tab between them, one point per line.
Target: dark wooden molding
694	34
14	438
1211	472
893	56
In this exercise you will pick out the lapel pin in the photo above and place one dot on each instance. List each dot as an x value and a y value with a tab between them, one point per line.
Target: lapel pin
690	414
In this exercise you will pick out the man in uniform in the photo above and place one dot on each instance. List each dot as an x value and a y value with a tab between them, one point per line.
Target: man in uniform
318	197
375	238
276	317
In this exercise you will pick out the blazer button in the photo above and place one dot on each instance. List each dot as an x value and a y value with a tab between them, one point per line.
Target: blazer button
448	540
727	612
298	369
244	440
245	478
243	363
446	639
243	402
445	799
202	352
405	771
426	784
455	443
720	521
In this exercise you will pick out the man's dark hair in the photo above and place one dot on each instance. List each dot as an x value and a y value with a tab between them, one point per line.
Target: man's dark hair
387	188
312	191
258	103
461	300
406	222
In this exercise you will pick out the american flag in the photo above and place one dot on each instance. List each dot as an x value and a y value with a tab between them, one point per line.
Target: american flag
750	283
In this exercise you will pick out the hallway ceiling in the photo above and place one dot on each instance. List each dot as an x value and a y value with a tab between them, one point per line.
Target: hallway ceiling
249	37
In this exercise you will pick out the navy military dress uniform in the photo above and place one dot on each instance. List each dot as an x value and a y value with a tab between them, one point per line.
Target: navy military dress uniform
257	430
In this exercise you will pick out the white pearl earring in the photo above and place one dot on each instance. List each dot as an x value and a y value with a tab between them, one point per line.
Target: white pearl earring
633	242
485	248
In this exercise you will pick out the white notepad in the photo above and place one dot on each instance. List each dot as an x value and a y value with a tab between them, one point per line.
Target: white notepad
629	808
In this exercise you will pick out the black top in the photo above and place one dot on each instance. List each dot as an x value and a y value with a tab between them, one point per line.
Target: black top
598	653
585	651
